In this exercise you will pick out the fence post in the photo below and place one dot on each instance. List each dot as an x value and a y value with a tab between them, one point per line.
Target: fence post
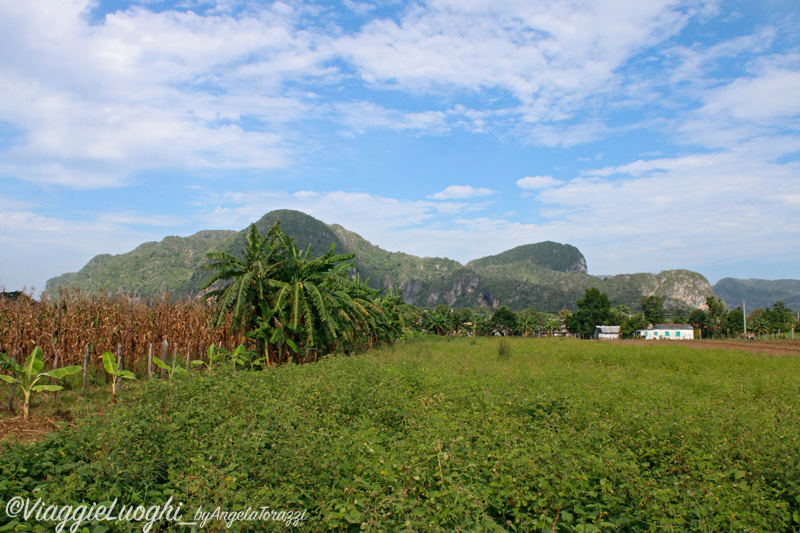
188	355
120	366
85	367
150	361
164	357
55	365
11	397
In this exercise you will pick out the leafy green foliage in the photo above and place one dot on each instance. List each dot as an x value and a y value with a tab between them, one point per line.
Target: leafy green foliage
439	435
29	374
213	356
504	320
170	369
653	309
297	306
112	368
593	310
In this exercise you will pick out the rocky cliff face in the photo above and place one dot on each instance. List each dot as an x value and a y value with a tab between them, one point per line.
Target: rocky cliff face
683	289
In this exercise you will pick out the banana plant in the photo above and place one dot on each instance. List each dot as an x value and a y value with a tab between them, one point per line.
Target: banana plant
30	373
213	356
241	356
110	364
171	370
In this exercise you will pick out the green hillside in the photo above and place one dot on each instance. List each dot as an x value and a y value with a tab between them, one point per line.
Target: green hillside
548	276
758	292
548	254
172	265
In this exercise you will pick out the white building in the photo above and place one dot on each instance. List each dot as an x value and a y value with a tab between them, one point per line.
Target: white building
668	331
606	332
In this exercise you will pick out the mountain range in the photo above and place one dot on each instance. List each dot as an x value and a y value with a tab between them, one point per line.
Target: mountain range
547	276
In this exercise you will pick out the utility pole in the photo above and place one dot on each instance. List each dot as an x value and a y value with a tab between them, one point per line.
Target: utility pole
744	317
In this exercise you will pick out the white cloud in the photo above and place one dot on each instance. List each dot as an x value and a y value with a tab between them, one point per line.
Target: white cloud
144	90
46	246
362	116
372	212
548	54
672	212
773	94
462	192
538	182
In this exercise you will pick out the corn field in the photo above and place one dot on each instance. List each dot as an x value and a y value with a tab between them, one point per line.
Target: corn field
64	328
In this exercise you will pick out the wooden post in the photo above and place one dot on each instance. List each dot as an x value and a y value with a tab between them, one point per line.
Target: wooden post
150	362
85	366
164	356
11	397
55	365
120	366
188	355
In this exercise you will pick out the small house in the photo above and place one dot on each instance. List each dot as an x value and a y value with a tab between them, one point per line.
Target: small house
667	331
607	333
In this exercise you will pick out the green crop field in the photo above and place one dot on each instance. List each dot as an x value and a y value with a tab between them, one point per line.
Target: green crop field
445	435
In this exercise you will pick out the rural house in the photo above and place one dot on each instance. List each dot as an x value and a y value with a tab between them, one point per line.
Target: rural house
606	332
667	331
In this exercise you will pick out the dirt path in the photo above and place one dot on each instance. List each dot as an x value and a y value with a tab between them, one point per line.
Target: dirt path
765	347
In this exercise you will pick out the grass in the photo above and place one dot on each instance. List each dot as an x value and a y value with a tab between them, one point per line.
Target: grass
449	435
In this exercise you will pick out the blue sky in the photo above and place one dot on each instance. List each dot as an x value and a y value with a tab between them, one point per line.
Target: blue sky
651	135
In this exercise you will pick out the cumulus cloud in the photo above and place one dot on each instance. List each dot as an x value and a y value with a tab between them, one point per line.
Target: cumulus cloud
351	209
362	116
462	192
548	54
96	103
38	239
671	212
538	182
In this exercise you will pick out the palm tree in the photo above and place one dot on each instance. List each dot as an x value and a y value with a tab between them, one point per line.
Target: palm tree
438	321
249	277
527	323
295	305
315	296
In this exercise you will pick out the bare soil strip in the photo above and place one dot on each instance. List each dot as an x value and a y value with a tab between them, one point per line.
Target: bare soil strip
763	347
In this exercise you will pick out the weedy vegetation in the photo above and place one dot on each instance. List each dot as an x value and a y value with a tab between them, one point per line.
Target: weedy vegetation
116	373
29	374
441	434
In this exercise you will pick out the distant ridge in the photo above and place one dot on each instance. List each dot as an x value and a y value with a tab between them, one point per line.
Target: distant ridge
758	292
548	254
547	276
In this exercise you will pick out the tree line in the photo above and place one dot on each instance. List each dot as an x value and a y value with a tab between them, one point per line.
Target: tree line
714	321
